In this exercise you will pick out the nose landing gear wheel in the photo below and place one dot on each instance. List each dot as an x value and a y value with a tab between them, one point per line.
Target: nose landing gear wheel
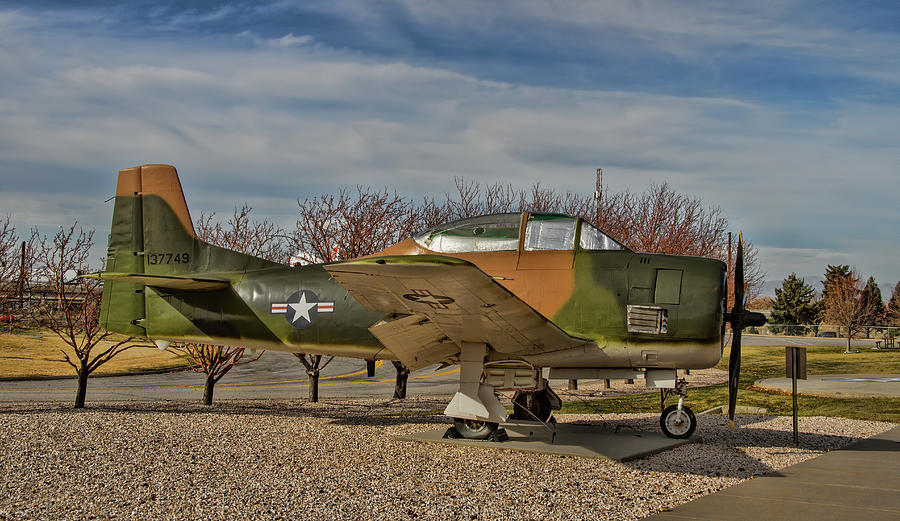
473	429
678	425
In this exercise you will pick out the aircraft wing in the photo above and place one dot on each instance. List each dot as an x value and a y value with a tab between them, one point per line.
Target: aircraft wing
438	302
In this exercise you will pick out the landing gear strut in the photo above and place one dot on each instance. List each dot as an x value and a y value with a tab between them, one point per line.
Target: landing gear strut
678	421
475	408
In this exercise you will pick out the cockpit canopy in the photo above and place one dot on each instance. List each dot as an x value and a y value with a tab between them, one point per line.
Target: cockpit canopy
500	232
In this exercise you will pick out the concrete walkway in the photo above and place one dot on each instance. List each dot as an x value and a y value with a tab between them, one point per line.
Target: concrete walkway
583	441
860	481
839	385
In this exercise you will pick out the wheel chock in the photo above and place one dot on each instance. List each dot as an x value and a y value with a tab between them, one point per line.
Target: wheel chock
452	434
499	434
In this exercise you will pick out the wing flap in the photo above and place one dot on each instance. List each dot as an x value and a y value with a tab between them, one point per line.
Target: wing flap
416	341
455	296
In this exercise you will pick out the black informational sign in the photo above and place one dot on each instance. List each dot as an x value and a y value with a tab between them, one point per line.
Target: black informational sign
790	353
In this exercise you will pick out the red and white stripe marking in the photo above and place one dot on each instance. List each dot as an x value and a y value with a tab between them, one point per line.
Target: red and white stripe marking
321	307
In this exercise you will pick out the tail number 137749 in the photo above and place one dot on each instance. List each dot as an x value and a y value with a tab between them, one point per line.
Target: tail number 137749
168	258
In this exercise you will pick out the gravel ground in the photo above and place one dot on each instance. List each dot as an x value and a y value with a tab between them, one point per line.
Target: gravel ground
339	460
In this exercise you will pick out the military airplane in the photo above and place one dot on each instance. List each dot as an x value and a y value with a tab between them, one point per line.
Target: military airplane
513	299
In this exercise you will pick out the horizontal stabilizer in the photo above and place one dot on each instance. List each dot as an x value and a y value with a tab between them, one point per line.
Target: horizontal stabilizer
164	281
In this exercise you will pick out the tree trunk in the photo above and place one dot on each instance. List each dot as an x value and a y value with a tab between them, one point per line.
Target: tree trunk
400	382
313	385
82	387
573	384
208	390
849	336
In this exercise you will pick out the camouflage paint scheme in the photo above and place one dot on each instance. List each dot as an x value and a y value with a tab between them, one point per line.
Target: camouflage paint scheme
162	282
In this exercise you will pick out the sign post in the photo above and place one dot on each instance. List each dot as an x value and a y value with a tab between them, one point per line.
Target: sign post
795	368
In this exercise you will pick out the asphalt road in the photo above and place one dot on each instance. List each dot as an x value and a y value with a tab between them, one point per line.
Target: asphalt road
274	376
281	376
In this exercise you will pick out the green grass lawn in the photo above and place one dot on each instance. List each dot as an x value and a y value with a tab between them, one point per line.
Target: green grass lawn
759	362
39	353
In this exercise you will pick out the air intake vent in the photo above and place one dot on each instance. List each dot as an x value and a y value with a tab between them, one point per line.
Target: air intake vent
648	319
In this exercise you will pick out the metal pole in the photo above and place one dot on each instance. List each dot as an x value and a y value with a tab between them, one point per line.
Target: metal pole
794	369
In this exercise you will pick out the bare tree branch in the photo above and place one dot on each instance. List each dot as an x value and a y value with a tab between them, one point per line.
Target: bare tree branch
241	233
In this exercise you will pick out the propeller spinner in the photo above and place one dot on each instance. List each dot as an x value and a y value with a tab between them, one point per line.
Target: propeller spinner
739	318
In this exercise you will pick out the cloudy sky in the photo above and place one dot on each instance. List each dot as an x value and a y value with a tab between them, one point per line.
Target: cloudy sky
785	114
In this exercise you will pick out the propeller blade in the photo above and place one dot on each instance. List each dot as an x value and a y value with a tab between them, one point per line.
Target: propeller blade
734	374
739	277
737	326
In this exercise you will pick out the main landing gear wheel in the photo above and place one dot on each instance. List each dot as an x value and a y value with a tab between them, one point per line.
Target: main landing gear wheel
678	425
539	406
474	429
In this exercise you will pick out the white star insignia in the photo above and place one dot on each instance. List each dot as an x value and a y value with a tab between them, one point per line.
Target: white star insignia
301	309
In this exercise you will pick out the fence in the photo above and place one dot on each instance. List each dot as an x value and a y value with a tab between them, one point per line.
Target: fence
826	330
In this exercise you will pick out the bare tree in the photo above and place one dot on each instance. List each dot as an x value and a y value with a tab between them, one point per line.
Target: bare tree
17	259
244	234
314	366
212	360
845	307
8	276
401	380
8	243
263	239
70	306
351	225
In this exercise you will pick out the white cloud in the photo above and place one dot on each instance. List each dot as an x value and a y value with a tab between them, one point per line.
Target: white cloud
288	40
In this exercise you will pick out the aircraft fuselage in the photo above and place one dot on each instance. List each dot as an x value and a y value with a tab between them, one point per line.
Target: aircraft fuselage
589	296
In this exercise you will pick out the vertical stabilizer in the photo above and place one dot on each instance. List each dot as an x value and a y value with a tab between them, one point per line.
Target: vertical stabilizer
152	234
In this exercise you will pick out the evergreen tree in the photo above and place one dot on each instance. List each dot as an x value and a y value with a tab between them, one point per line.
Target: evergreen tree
833	273
795	305
893	307
872	304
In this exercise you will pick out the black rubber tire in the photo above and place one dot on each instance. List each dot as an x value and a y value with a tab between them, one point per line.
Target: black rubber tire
540	406
672	427
473	429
